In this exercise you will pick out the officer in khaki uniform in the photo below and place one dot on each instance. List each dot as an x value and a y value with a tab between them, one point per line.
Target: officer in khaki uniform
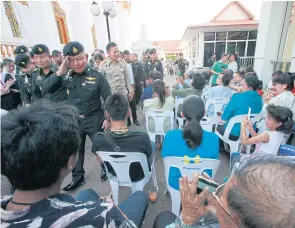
115	71
85	86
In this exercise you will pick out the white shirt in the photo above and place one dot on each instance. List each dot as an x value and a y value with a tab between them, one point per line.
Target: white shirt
233	66
276	138
285	99
218	92
130	73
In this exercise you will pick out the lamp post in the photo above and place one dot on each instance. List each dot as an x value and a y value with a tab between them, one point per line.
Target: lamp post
108	10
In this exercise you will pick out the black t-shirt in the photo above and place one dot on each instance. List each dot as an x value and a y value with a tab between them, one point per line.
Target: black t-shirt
131	141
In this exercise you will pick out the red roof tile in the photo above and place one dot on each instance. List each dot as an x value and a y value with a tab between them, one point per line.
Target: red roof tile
168	45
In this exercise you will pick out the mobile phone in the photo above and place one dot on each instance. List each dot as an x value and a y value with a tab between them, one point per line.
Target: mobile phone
204	182
249	113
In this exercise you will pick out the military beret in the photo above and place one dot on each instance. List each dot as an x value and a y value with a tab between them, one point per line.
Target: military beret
126	52
20	50
22	60
153	51
40	49
55	52
73	49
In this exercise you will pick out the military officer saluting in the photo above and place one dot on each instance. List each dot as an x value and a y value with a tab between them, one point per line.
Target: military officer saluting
85	86
23	61
116	72
153	63
43	73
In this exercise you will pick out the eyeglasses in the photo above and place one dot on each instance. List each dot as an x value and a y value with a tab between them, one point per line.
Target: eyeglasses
218	193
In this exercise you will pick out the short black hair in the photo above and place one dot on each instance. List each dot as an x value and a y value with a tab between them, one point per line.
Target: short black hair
198	81
249	69
1	65
283	78
223	55
55	53
252	80
117	106
235	55
37	142
240	73
98	56
5	61
110	45
227	77
153	74
262	188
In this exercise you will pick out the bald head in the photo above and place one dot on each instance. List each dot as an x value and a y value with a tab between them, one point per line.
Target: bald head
263	194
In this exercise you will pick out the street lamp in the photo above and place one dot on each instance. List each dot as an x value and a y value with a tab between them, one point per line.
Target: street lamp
108	10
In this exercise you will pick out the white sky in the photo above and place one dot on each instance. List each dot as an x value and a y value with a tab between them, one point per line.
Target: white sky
167	20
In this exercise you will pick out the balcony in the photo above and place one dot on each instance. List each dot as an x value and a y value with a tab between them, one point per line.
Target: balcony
8	46
281	65
246	62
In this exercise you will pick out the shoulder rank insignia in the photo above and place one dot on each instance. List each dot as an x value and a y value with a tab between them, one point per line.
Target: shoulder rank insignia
75	50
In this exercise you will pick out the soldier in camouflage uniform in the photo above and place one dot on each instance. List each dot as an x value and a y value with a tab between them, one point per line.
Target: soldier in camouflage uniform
115	71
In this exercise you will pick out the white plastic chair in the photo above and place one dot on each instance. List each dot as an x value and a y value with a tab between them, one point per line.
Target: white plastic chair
234	145
188	170
217	105
207	124
159	117
121	167
179	101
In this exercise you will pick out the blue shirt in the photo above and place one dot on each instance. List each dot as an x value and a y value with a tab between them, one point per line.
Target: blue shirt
239	105
147	93
175	146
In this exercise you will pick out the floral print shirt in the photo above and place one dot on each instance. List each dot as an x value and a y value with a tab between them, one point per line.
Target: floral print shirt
64	211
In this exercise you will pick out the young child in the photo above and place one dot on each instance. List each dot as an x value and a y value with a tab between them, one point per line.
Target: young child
278	123
236	84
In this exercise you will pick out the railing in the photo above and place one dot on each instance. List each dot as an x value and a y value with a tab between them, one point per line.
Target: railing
8	46
281	65
246	61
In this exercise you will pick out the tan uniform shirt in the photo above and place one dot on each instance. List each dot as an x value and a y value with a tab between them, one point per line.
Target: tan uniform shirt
116	74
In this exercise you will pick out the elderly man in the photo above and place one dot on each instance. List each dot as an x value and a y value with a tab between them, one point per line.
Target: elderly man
261	193
85	85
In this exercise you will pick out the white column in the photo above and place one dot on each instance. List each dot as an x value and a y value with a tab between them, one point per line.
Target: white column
101	31
80	23
292	68
200	53
124	41
272	33
43	28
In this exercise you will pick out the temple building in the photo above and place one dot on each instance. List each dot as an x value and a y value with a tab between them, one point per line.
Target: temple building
55	23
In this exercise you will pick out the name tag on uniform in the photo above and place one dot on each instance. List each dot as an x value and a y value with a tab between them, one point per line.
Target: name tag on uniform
90	82
90	78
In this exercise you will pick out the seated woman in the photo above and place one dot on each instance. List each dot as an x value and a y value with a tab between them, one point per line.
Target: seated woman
221	90
192	141
278	123
197	86
160	101
240	104
236	83
39	146
280	93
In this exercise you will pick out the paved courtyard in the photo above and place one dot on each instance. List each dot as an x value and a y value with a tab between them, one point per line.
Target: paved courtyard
92	175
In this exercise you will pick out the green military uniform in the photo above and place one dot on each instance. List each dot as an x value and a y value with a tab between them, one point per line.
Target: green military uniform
25	79
40	80
218	67
84	91
117	75
153	65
